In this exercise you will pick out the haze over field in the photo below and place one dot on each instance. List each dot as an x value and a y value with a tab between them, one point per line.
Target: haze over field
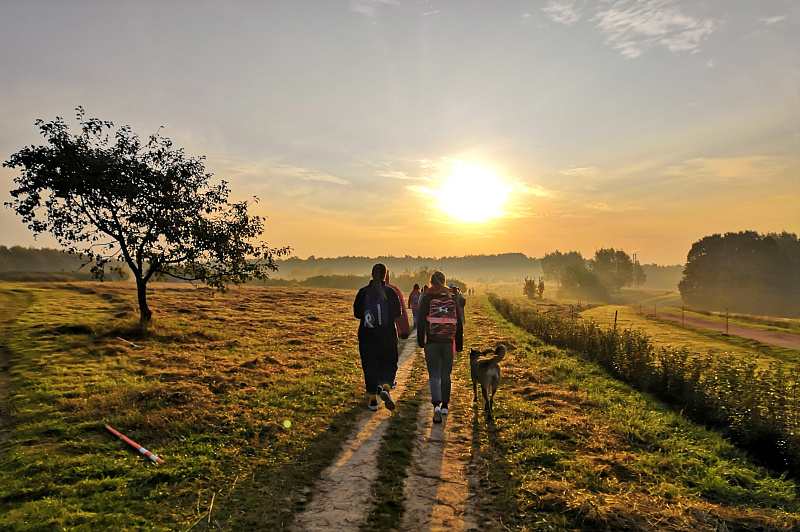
439	128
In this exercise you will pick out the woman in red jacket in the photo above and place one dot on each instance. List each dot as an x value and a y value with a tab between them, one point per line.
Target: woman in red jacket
413	302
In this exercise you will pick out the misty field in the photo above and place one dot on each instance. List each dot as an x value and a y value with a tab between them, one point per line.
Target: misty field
248	395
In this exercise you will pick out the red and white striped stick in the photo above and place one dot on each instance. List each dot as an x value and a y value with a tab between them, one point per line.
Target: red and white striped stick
135	445
127	342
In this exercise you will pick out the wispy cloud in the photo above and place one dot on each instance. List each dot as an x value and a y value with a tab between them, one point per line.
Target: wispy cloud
305	174
263	171
768	21
634	26
563	11
580	172
745	170
370	7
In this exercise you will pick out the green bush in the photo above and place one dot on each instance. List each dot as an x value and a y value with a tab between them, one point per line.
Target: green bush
757	408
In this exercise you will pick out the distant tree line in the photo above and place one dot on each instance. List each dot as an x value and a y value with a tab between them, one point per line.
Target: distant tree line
504	267
594	278
19	263
745	272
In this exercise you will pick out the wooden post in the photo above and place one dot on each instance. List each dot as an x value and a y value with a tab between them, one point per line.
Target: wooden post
615	319
682	314
726	321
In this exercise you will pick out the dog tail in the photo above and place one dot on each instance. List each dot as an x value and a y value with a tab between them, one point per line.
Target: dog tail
499	353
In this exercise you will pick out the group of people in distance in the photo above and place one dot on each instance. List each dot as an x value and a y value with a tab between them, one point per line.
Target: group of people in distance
438	316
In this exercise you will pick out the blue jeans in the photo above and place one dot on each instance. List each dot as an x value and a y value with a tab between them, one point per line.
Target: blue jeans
439	359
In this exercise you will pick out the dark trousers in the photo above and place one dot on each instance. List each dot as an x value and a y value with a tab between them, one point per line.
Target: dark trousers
378	360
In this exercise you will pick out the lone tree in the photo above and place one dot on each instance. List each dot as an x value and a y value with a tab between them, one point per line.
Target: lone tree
117	202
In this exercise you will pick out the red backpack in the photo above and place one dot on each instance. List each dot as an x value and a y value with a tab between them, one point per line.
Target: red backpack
442	317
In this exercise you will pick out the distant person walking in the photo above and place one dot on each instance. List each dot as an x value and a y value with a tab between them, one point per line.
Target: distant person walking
439	335
413	302
377	306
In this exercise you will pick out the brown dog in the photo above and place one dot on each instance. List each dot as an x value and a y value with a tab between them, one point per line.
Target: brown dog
486	373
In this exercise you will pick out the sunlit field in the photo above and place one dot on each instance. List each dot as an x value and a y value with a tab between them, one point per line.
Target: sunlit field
248	395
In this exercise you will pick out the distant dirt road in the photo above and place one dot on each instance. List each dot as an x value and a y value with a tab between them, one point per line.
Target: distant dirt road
792	341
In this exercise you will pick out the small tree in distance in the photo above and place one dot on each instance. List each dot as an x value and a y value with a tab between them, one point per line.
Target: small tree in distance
147	206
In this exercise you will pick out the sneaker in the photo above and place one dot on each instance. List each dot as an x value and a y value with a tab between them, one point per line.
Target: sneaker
437	414
387	399
373	404
445	410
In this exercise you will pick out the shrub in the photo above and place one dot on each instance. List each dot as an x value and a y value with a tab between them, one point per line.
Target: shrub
757	408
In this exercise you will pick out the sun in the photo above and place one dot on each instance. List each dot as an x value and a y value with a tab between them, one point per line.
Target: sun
473	193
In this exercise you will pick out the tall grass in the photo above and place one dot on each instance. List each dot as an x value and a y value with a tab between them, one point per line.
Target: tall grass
757	408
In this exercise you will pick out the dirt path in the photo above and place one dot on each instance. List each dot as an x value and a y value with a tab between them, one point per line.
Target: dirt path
791	341
437	486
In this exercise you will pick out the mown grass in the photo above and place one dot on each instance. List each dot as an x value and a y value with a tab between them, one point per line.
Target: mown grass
214	381
572	448
670	334
208	391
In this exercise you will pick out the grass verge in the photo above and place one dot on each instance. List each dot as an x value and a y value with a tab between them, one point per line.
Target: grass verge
209	390
572	448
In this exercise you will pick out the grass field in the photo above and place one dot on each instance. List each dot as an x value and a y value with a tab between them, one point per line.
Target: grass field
212	385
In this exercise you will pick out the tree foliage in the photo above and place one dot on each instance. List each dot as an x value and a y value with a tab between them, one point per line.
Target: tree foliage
119	200
556	264
744	272
613	267
580	281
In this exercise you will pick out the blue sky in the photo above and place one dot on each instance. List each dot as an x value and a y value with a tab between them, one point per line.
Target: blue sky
642	125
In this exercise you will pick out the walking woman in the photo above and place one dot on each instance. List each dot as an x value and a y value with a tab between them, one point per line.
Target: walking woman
438	333
413	302
377	307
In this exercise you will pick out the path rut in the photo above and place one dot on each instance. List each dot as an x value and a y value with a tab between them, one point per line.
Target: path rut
437	486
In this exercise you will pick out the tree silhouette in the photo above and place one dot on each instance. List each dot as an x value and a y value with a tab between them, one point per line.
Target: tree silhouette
744	272
613	267
148	206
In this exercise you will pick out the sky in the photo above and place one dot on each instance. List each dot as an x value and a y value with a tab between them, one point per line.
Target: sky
438	127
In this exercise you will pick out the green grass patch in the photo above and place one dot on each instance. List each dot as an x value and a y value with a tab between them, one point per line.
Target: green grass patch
208	390
572	448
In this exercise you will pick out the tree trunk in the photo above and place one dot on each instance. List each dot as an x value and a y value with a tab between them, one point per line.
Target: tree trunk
144	311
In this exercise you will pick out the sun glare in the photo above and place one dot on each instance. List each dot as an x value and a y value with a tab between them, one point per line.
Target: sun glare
473	193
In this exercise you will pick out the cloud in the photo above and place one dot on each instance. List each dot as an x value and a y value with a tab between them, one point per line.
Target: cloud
370	7
745	170
536	191
580	172
768	21
258	171
634	26
305	174
562	11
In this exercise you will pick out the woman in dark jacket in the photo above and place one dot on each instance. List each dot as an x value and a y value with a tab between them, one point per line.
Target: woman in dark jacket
377	307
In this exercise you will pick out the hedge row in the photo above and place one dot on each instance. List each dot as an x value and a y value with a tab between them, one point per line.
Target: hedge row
756	408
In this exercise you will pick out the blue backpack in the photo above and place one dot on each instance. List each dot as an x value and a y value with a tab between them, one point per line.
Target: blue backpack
376	311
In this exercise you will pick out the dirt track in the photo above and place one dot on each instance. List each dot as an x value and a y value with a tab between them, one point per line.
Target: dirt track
791	341
437	487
